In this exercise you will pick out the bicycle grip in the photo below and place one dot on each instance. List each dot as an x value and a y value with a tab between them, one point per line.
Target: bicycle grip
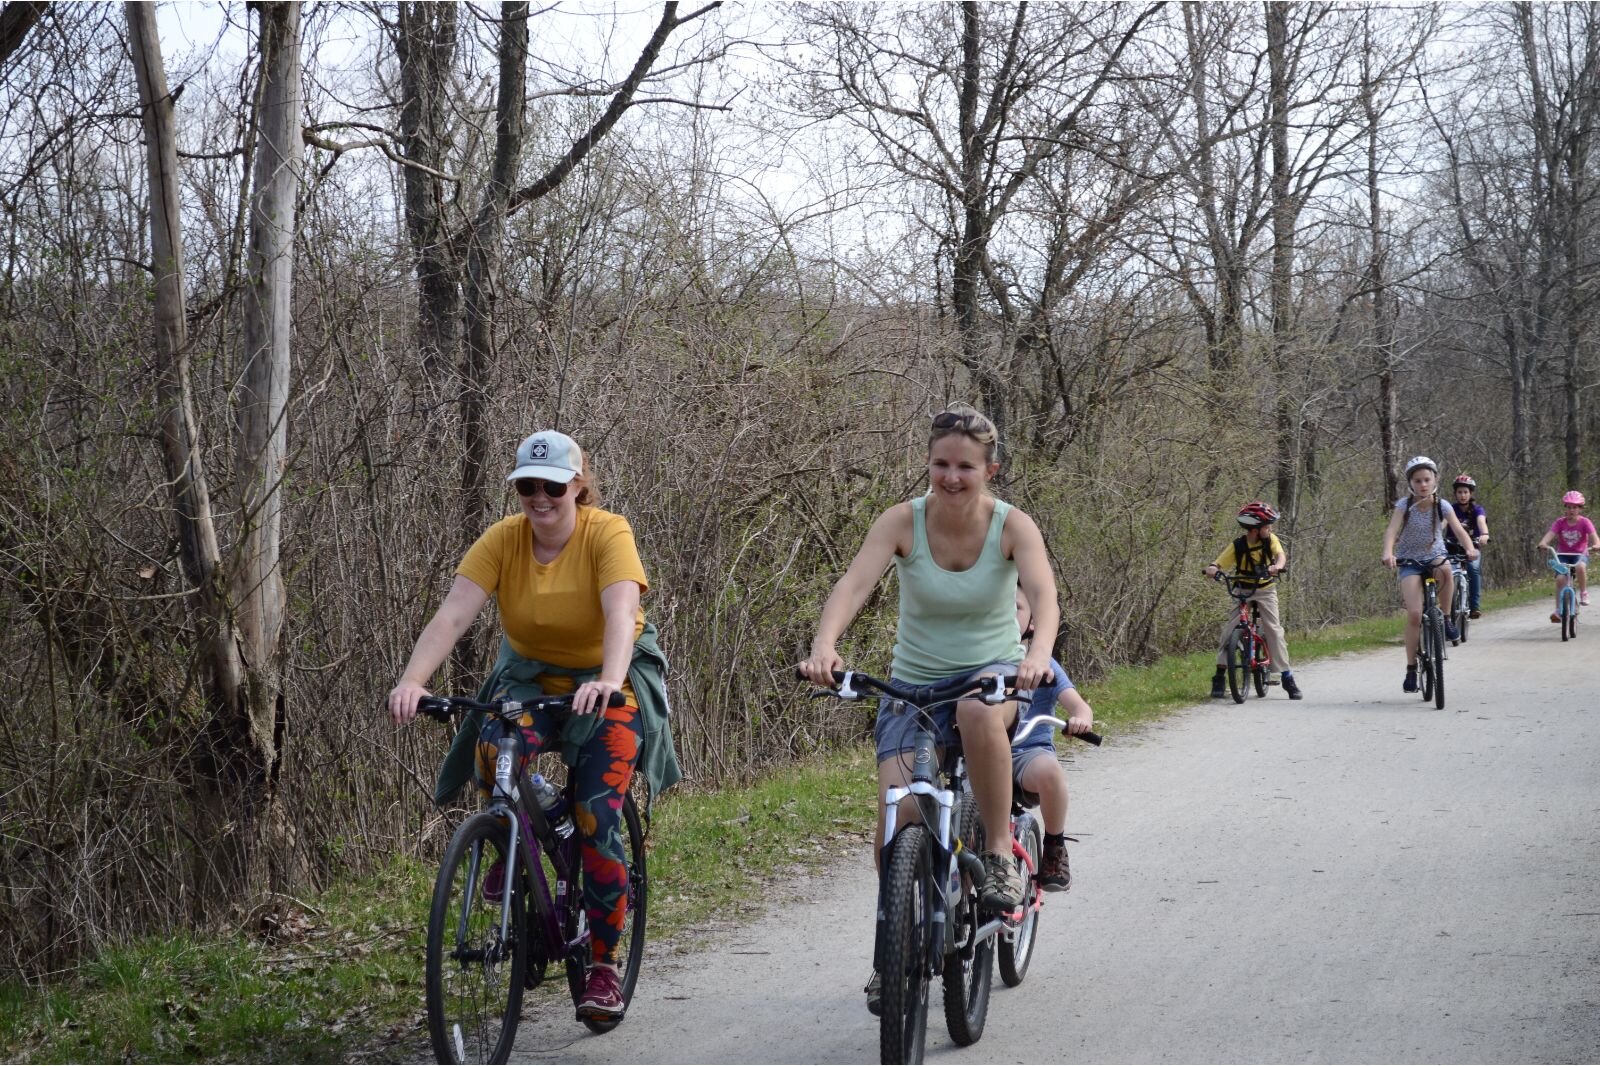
434	707
838	676
1089	737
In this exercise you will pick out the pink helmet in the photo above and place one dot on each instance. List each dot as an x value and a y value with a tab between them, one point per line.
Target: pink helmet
1573	497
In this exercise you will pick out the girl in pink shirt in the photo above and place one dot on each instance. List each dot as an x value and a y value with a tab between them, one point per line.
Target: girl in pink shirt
1574	535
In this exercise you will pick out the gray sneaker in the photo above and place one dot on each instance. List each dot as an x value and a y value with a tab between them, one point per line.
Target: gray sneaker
874	992
1002	884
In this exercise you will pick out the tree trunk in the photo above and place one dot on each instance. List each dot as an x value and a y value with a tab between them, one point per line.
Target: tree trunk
1377	284
483	265
255	729
426	45
967	276
1284	215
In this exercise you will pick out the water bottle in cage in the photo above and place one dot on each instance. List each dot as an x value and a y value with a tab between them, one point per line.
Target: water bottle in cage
554	805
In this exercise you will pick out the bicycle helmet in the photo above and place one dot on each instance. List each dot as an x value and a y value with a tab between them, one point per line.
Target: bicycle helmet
1255	514
1418	462
1573	497
1465	479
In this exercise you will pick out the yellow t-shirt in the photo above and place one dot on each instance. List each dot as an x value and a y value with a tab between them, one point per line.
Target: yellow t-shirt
551	611
1228	561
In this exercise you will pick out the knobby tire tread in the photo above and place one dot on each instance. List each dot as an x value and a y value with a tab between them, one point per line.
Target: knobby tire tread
903	1025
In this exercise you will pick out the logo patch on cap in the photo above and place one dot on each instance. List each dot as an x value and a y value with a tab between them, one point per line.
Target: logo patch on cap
540	450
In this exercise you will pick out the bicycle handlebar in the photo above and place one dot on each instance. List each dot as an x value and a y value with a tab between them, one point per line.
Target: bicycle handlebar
991	689
439	707
1560	568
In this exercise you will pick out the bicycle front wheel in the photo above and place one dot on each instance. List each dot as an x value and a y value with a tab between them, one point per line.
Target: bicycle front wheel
1437	655
1016	953
1425	658
1569	613
630	947
907	924
474	972
1237	656
969	971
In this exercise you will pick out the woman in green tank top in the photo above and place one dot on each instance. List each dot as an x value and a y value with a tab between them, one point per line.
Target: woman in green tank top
960	555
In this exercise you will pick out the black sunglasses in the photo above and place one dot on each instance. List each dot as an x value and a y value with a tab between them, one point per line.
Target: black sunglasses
527	486
953	420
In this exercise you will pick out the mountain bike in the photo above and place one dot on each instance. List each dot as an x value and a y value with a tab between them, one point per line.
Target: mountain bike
508	901
1246	654
1566	595
1430	649
1459	613
929	922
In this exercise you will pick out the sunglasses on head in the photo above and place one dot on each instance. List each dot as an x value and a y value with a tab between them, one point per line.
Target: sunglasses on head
953	420
527	486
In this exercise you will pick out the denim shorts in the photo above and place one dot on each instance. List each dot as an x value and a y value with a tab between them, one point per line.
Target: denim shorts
895	733
1020	761
1573	559
1407	570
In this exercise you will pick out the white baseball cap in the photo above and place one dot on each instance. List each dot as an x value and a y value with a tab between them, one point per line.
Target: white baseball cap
549	455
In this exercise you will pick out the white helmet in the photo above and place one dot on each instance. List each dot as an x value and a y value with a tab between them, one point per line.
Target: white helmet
1418	462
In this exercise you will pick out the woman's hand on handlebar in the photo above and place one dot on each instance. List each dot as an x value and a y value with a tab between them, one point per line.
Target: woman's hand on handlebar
403	701
593	696
1034	670
820	667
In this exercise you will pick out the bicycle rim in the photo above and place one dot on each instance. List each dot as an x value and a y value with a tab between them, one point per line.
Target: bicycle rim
1236	666
473	974
630	946
907	907
1015	954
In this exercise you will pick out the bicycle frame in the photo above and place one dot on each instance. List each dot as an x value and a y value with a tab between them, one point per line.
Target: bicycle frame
531	837
1249	621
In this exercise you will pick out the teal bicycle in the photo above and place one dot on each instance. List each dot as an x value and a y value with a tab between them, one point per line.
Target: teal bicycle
1566	594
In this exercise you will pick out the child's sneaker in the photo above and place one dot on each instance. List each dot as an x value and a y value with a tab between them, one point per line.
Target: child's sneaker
1583	599
1451	633
1217	691
1411	679
1291	689
1556	618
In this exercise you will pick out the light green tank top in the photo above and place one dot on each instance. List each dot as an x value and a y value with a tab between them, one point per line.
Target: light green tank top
952	622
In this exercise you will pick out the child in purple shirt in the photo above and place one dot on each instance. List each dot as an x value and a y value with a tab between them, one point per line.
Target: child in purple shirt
1574	535
1476	523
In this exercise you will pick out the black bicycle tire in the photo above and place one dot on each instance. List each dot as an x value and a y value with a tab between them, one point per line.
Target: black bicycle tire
1014	956
1234	654
1565	601
448	1043
1258	677
1439	661
903	1025
968	981
633	936
1425	658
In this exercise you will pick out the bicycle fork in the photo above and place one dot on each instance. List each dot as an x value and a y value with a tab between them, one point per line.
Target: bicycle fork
942	886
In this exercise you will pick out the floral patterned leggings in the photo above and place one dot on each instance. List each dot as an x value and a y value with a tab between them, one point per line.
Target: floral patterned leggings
604	770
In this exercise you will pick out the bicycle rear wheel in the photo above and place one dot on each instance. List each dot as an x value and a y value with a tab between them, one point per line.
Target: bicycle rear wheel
1569	613
474	974
630	948
969	970
1238	665
1016	953
1463	615
1437	622
907	924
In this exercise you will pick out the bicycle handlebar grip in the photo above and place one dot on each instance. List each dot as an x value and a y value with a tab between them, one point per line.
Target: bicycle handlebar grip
1090	737
838	676
434	707
617	699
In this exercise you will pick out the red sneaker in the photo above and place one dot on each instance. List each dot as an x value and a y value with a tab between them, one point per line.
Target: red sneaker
602	995
1555	618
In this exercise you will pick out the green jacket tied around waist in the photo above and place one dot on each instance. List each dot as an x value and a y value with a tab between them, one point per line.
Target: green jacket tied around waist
513	677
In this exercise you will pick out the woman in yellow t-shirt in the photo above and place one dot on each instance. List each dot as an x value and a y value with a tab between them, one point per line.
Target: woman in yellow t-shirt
568	580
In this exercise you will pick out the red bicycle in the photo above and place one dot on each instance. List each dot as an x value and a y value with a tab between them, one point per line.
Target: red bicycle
1248	659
